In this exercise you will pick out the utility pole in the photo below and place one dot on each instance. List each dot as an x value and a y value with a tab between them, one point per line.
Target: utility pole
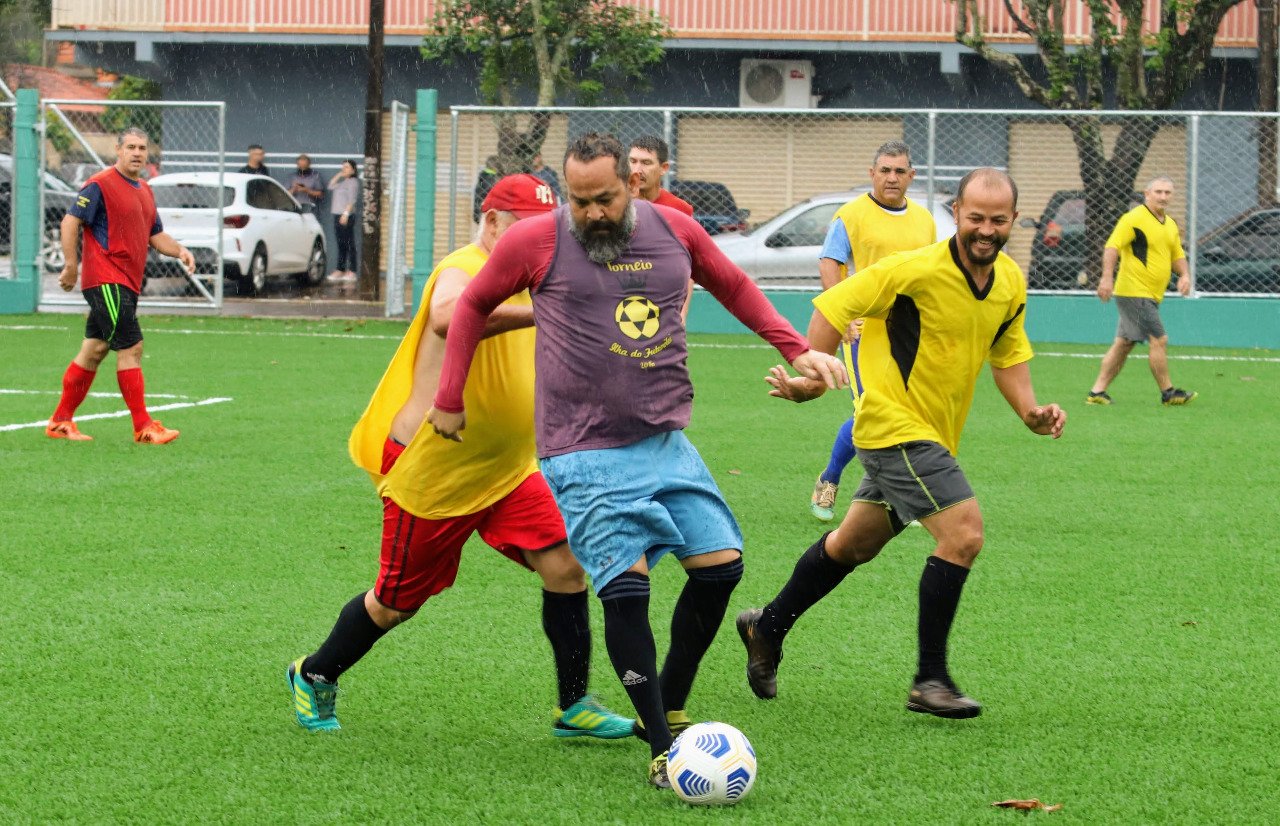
371	197
1267	158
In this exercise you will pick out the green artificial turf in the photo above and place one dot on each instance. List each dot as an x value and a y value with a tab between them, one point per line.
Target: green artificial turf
1119	628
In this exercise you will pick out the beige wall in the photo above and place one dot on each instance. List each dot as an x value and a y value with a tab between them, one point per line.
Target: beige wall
770	163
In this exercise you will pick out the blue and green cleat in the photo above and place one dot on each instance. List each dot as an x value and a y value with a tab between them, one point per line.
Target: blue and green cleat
313	704
588	718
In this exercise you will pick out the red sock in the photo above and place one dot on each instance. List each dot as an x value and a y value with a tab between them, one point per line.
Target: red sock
75	386
131	389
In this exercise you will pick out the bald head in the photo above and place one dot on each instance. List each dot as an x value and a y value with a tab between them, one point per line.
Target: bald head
989	178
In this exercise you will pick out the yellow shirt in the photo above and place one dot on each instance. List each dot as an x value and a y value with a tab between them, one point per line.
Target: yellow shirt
863	231
874	231
927	332
1148	247
437	478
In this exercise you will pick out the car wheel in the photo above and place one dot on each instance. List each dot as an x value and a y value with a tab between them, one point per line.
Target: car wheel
254	281
316	266
51	250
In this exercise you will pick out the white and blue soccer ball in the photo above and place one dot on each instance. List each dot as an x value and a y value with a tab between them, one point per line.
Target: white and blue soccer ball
711	763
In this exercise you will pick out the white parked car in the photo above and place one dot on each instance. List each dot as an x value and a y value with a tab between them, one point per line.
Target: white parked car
265	232
783	251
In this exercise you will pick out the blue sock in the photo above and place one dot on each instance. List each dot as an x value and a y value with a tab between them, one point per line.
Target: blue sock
842	453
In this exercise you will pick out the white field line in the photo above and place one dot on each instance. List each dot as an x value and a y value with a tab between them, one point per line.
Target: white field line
8	391
694	345
118	413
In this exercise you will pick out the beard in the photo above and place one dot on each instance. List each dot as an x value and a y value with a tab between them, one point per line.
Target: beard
605	240
997	244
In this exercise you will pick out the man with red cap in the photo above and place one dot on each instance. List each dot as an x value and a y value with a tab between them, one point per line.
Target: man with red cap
437	493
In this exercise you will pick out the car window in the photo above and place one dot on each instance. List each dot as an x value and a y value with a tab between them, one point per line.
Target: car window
191	196
1070	213
280	199
1255	237
712	199
808	229
258	194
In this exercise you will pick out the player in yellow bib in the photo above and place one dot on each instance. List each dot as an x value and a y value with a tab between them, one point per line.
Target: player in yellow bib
437	493
934	316
1145	241
866	229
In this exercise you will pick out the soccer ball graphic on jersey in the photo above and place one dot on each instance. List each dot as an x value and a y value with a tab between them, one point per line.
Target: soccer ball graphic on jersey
711	763
637	317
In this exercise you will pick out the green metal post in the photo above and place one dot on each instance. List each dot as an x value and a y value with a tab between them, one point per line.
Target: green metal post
21	294
424	212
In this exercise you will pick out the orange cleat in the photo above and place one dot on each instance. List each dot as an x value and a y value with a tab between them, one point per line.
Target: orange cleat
154	434
65	430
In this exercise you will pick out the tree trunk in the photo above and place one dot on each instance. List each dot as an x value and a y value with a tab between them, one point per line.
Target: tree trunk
1108	183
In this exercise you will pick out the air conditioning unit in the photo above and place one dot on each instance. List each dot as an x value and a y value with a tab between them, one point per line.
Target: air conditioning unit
776	84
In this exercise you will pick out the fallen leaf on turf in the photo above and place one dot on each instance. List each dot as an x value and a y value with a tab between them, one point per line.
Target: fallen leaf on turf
1190	623
735	472
1027	805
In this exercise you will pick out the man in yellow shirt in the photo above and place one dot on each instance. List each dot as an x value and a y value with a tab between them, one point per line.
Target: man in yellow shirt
866	229
933	316
437	493
1146	243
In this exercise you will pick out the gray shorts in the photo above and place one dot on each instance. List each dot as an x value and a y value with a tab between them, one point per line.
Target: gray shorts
1139	319
911	480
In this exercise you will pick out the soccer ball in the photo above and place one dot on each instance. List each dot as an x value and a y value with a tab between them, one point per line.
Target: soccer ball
711	763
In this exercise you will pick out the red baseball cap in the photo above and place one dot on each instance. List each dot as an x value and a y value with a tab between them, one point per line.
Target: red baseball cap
524	195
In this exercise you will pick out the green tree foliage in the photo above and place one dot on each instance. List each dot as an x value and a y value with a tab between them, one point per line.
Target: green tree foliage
586	50
1152	69
22	24
147	118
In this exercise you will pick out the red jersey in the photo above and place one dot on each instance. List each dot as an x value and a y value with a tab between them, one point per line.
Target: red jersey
119	218
665	198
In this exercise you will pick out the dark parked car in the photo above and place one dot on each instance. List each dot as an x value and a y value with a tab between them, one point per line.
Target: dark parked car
713	206
1242	255
1058	250
58	197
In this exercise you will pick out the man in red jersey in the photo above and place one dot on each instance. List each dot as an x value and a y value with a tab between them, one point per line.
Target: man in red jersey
650	159
118	215
650	162
607	275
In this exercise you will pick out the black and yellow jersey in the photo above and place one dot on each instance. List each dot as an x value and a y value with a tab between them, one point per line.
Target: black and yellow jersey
1148	247
928	329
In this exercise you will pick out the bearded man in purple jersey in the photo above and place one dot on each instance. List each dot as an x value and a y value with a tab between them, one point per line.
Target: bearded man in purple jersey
608	275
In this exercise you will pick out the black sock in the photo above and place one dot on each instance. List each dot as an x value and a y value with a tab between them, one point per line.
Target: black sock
940	587
352	636
564	619
694	624
629	639
815	576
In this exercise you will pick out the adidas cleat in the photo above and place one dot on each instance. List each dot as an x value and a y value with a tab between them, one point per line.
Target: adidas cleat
677	722
588	718
658	772
313	703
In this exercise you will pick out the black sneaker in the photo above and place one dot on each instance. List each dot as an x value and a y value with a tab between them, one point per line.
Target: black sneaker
762	656
1097	398
1176	395
942	699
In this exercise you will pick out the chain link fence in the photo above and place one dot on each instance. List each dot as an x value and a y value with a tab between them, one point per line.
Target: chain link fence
184	137
6	188
782	175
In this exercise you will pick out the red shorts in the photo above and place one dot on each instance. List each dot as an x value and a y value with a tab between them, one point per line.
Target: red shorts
420	556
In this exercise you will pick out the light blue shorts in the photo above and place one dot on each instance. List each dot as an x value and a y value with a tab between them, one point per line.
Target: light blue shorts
644	500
